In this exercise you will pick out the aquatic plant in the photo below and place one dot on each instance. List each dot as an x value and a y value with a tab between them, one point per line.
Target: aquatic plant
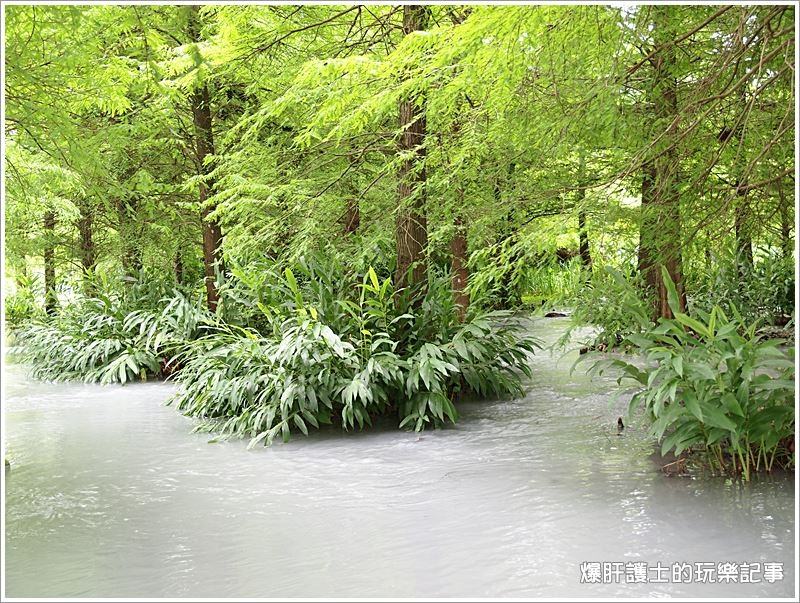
714	386
332	351
109	338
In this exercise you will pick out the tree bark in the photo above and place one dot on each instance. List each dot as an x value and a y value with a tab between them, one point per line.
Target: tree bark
742	215
352	216
88	253
179	267
507	293
742	231
787	244
583	234
204	146
583	240
411	229
50	296
662	229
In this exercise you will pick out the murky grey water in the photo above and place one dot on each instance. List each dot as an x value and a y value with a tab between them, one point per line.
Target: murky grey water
110	495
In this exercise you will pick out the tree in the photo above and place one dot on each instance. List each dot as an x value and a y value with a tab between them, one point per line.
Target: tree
200	101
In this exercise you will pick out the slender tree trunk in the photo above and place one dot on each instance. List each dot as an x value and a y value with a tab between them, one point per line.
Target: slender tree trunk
583	240
787	244
459	256
179	267
665	231
352	216
583	234
352	212
204	146
507	294
411	229
742	214
741	227
87	250
50	296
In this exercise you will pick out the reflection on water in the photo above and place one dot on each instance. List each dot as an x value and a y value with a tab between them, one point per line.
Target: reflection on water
110	495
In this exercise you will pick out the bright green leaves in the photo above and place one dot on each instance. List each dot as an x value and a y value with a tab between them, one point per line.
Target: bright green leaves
725	393
362	353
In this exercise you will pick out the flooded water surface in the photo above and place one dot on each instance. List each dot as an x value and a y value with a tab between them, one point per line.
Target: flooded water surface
110	494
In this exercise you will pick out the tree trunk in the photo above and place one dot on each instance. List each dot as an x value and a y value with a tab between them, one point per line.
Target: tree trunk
583	240
507	293
742	215
665	229
179	267
787	244
204	146
741	227
352	216
583	234
87	250
411	229
459	256
50	296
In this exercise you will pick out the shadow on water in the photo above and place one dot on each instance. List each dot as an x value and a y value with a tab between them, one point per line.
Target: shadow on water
110	494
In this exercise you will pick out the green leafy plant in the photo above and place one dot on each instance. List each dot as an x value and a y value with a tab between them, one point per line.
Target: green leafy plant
113	337
21	306
612	303
713	386
329	350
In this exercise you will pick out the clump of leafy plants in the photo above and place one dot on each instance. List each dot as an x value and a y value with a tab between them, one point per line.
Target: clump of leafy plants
334	347
763	291
114	336
715	388
21	306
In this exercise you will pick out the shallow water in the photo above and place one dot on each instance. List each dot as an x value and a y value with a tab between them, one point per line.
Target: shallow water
111	495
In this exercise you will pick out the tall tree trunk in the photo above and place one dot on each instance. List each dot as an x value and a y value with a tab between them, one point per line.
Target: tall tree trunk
742	214
179	267
87	250
583	234
459	256
204	146
583	240
507	293
352	212
665	230
352	216
50	296
787	244
411	229
742	232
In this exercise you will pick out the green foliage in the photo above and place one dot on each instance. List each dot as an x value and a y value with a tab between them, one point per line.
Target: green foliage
21	306
712	385
345	350
113	337
764	292
612	303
